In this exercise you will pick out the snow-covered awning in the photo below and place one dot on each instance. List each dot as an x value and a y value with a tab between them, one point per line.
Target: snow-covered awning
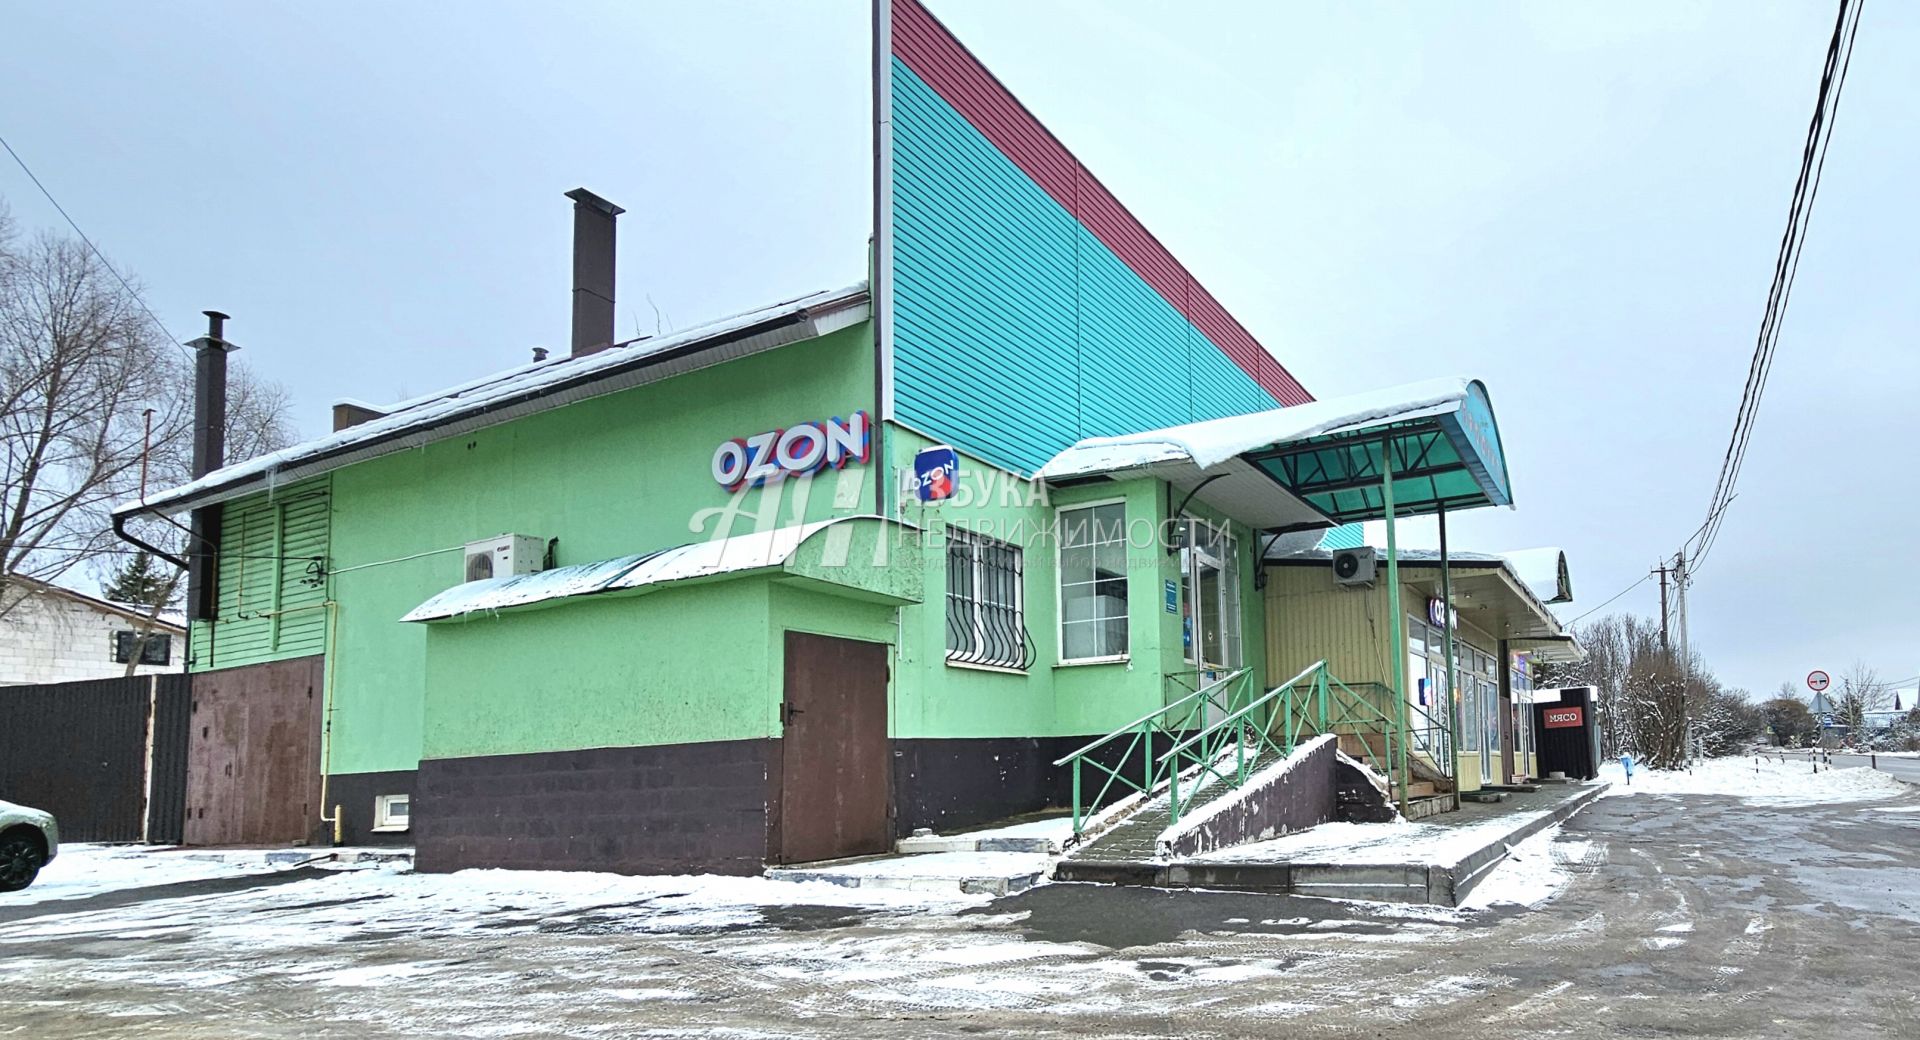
847	555
521	391
1322	463
1543	571
1488	591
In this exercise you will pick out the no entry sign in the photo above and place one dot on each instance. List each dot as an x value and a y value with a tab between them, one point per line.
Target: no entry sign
1817	681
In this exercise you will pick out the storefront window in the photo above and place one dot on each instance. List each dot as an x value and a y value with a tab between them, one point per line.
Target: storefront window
986	617
1093	582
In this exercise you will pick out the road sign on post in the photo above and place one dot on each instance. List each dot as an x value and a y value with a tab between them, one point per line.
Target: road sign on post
1817	681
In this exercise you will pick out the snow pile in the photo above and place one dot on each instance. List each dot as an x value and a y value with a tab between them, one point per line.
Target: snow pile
1370	843
1259	780
1534	872
1767	780
83	870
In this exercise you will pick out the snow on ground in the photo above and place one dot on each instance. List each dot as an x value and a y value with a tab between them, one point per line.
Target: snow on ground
945	865
1397	842
1057	829
88	870
1766	780
1534	872
459	901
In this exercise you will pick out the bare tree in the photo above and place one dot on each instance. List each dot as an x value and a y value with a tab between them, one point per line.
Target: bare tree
87	384
256	423
80	363
1645	703
1861	691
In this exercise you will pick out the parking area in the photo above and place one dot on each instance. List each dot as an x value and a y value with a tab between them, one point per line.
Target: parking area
1702	915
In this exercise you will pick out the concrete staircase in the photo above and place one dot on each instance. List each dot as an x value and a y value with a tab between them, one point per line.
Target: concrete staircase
1133	840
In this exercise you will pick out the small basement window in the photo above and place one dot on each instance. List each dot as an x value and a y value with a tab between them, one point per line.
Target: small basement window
391	812
155	648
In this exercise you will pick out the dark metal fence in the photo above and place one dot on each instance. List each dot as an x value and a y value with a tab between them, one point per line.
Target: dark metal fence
108	757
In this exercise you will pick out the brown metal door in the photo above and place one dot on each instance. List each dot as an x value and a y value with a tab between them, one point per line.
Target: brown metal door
253	754
833	775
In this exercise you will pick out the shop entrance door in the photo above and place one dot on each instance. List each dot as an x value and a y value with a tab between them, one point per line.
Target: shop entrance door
833	755
1210	573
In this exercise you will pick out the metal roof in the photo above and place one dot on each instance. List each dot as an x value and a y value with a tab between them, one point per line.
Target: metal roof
733	556
523	391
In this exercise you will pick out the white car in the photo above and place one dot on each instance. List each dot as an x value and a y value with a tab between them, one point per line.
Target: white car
28	839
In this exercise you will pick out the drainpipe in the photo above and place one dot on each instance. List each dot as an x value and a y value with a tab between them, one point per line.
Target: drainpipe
329	664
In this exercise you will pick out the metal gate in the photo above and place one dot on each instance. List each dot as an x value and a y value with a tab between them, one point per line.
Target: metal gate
107	757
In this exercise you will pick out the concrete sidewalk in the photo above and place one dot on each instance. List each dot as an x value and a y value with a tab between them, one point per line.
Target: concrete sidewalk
1436	861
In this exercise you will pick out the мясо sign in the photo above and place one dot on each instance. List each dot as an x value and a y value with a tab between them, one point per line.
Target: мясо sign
795	451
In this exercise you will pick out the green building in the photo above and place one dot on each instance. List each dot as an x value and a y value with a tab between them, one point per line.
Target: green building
697	601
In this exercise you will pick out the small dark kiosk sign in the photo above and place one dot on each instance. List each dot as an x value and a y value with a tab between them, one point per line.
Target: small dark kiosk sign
1564	718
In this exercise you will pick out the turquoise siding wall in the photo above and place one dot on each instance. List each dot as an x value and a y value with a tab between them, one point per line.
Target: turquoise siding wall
1016	331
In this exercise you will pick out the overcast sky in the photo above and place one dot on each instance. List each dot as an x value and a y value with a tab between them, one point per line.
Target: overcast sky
1578	204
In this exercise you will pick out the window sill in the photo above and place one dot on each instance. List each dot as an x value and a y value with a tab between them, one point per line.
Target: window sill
390	829
975	667
1082	662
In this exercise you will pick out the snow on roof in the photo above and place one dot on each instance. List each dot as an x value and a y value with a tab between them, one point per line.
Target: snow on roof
408	422
1213	441
166	619
1543	571
735	555
1431	557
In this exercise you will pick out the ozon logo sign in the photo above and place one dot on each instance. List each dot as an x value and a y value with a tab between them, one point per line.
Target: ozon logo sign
795	451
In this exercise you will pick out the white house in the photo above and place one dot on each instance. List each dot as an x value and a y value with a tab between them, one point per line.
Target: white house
52	634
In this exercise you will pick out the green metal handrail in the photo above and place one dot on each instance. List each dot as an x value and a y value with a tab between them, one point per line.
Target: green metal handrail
1185	714
1203	754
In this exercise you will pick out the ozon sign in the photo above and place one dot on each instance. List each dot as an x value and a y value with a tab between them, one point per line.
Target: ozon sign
795	451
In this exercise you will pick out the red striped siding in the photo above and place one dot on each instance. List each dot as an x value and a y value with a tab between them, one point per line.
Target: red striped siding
957	76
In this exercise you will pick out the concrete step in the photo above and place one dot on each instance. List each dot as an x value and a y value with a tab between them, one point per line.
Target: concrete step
1045	835
1421	808
967	873
1137	837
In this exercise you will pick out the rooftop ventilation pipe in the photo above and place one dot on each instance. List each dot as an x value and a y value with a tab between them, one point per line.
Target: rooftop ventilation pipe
593	240
209	453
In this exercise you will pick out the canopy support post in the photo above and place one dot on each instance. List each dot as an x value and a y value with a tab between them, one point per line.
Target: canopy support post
1397	623
1454	704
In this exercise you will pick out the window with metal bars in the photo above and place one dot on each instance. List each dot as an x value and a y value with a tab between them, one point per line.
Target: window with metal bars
986	603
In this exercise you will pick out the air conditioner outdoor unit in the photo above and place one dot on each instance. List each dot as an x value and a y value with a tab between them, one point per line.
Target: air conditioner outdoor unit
505	555
1354	566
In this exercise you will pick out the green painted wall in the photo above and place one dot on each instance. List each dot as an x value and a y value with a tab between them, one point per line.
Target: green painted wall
675	666
935	699
624	473
272	604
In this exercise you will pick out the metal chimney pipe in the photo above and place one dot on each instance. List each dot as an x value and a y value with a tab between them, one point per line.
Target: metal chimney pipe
209	453
593	243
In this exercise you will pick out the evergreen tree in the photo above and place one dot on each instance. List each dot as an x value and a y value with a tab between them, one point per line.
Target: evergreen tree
139	581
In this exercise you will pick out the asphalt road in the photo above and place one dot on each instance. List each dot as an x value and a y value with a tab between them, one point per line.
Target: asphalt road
1700	916
1907	769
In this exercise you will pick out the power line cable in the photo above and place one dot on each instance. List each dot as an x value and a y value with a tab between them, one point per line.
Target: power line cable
1839	60
124	284
1644	578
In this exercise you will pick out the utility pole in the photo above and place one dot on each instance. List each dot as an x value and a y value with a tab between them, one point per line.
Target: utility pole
1680	593
1666	648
